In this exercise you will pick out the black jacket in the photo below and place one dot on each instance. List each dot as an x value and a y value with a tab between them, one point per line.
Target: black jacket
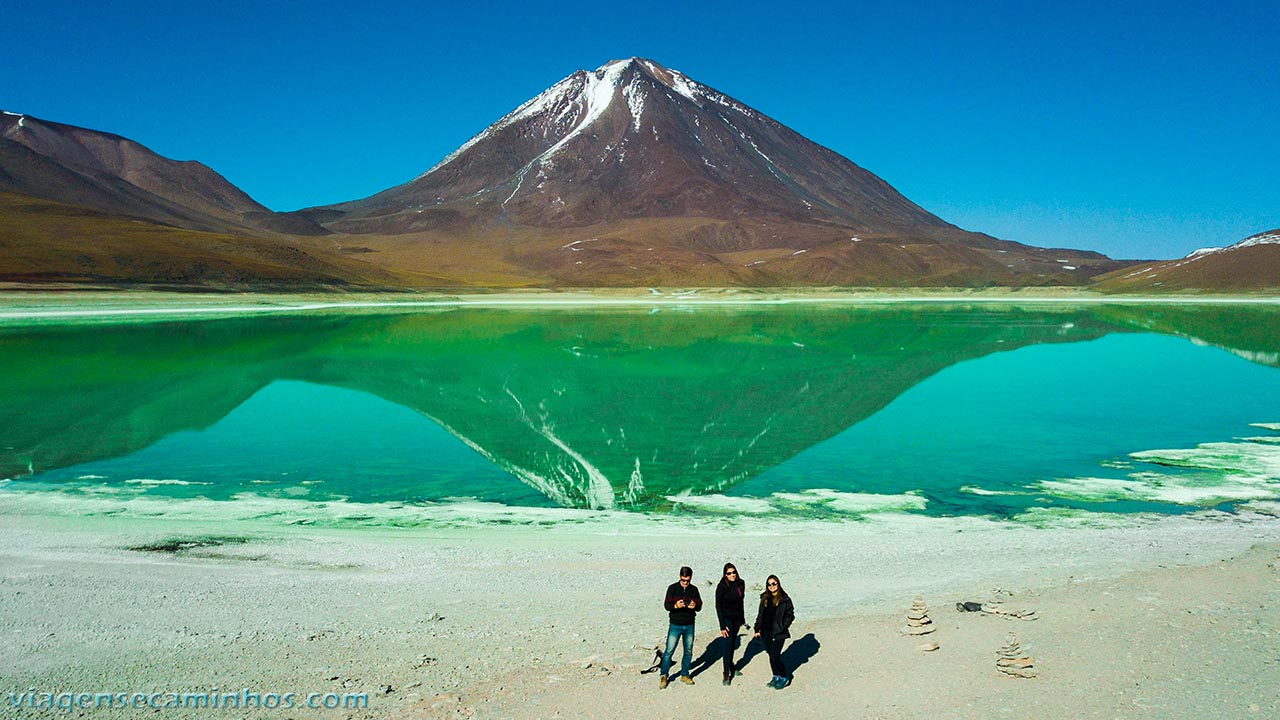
684	615
782	619
729	604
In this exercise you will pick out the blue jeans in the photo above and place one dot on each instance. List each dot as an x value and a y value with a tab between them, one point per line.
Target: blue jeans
678	633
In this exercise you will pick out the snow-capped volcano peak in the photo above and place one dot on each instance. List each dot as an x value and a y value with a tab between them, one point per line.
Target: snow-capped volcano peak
631	139
582	98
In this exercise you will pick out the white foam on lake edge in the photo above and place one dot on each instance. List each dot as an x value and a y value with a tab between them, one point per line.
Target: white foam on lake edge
752	515
851	502
722	504
1168	489
975	490
495	522
1245	458
804	503
1213	473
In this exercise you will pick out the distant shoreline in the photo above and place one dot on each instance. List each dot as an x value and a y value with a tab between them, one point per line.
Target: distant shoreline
20	305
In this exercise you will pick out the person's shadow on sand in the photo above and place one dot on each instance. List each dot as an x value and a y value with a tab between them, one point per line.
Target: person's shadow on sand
754	648
713	654
800	652
797	653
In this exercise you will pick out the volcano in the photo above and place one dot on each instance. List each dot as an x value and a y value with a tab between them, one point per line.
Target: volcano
635	173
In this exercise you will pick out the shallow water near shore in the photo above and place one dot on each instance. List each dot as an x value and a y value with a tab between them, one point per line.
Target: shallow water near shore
812	412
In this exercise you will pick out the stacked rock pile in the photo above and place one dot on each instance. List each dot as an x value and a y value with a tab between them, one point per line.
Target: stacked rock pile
1013	661
918	622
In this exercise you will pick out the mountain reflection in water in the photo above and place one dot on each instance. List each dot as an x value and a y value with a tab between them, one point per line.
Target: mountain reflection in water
591	408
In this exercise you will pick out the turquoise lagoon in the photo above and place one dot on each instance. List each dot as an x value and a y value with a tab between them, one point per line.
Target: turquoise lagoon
817	411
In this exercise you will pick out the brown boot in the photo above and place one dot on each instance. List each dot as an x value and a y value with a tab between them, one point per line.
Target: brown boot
663	681
686	679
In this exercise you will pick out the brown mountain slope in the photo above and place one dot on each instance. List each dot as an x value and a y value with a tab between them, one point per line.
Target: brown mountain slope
106	172
1251	265
43	241
79	205
635	174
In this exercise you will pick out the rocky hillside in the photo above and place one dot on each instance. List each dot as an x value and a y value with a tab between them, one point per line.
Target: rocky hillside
1251	265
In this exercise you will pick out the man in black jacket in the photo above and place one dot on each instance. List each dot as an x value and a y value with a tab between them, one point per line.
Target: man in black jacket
682	602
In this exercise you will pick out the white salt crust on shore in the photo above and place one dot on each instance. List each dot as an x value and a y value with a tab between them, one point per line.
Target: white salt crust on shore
1138	616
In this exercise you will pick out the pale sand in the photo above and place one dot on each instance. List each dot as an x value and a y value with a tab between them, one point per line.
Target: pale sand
1159	618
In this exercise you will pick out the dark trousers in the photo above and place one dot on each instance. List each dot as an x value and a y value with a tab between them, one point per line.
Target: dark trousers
731	643
773	646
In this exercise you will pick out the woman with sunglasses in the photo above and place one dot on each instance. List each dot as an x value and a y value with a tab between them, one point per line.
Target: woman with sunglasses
729	595
773	626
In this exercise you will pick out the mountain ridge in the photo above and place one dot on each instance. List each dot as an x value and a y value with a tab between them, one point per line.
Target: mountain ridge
632	174
109	172
647	176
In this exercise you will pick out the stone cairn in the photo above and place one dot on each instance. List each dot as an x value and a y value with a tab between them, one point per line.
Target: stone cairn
918	622
1013	661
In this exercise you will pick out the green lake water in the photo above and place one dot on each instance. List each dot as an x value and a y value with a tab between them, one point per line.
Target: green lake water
809	410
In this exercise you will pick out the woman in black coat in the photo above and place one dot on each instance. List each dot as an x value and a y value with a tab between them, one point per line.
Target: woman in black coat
773	626
729	595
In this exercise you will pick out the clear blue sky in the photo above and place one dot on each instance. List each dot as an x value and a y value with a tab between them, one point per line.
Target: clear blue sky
1139	129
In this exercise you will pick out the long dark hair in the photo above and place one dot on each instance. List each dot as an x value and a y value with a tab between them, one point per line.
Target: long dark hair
768	597
724	576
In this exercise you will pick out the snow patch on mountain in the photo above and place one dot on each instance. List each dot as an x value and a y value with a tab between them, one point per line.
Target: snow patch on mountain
635	101
685	87
597	95
557	94
1267	238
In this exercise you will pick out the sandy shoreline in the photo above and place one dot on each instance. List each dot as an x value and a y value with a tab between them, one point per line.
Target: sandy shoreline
18	306
1138	617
